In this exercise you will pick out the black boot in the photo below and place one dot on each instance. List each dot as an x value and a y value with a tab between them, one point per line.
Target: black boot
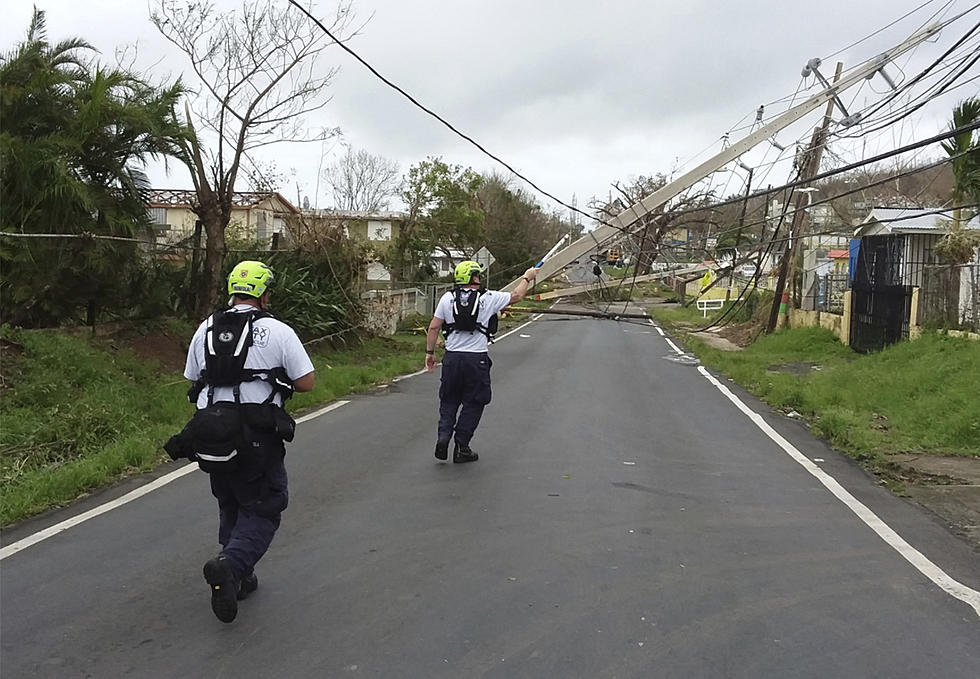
442	449
224	588
247	585
464	454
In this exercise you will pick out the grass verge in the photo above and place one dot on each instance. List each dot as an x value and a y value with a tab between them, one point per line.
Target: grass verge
77	414
915	397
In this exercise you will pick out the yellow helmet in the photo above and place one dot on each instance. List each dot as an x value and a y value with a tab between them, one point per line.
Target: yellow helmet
250	278
463	275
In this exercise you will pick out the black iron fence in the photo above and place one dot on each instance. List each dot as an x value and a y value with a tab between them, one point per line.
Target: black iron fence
879	316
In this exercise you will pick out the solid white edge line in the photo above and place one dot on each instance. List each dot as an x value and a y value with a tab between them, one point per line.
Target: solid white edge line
40	536
674	346
955	589
321	411
51	531
92	513
405	377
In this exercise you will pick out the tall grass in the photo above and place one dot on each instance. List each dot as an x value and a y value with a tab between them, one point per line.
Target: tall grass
919	396
76	415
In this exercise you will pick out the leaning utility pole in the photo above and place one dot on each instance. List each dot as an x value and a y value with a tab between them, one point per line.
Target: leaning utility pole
622	222
810	165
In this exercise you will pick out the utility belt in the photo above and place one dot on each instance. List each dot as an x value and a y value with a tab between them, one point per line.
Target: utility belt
222	437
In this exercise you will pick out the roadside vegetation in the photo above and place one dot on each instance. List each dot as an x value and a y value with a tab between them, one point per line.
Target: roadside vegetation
80	412
913	397
690	316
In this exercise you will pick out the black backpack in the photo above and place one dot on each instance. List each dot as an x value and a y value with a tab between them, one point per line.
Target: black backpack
466	309
219	436
226	343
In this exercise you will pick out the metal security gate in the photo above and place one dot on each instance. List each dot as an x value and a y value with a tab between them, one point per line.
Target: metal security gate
879	316
880	303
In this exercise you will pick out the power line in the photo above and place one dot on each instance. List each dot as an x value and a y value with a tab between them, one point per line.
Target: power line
435	115
842	194
880	30
846	168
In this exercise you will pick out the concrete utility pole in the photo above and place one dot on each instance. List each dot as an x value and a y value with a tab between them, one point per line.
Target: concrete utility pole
810	167
621	222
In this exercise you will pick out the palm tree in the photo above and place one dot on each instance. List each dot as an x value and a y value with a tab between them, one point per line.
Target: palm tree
73	149
964	149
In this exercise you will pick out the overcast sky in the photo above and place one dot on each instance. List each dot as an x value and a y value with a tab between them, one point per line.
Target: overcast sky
575	94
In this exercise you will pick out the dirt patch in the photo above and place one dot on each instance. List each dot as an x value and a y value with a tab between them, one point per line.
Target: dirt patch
947	486
797	368
152	343
960	470
718	341
742	334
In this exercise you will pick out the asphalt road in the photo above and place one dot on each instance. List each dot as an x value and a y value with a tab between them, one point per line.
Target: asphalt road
625	519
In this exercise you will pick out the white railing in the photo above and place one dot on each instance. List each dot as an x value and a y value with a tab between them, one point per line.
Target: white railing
713	304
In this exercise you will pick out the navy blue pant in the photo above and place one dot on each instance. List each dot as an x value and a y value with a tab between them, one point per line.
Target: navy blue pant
465	382
251	500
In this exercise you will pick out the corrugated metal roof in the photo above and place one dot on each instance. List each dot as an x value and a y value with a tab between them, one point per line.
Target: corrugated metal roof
909	219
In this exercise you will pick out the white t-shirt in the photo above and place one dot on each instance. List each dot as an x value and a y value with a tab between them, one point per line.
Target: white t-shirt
474	341
274	345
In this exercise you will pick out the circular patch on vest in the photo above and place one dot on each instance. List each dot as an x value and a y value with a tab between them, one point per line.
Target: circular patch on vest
226	336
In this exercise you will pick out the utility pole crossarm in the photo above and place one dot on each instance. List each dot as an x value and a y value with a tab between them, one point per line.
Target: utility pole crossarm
607	231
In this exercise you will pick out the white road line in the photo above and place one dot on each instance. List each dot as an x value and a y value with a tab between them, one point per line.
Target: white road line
674	346
405	377
51	531
92	513
893	539
658	328
321	411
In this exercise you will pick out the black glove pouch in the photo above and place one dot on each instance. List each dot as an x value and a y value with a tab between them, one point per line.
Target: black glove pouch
217	435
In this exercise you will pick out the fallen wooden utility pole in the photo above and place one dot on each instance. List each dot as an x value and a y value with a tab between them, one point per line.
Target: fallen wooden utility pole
574	312
621	222
605	285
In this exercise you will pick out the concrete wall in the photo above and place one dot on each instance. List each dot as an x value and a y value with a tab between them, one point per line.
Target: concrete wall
840	325
385	308
798	318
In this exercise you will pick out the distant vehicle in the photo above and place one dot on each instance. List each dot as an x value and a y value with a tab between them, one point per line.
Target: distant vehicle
614	258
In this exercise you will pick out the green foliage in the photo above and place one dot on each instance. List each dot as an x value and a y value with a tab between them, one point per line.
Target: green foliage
966	167
912	397
77	415
516	229
314	289
74	142
442	213
76	412
311	298
958	246
450	207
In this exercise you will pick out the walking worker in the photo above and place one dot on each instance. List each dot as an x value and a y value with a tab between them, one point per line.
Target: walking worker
244	364
468	316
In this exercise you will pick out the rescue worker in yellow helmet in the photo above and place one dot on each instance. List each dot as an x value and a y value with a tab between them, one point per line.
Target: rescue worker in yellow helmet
468	316
244	364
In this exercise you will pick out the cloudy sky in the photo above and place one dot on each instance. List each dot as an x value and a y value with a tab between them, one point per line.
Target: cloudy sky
574	94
